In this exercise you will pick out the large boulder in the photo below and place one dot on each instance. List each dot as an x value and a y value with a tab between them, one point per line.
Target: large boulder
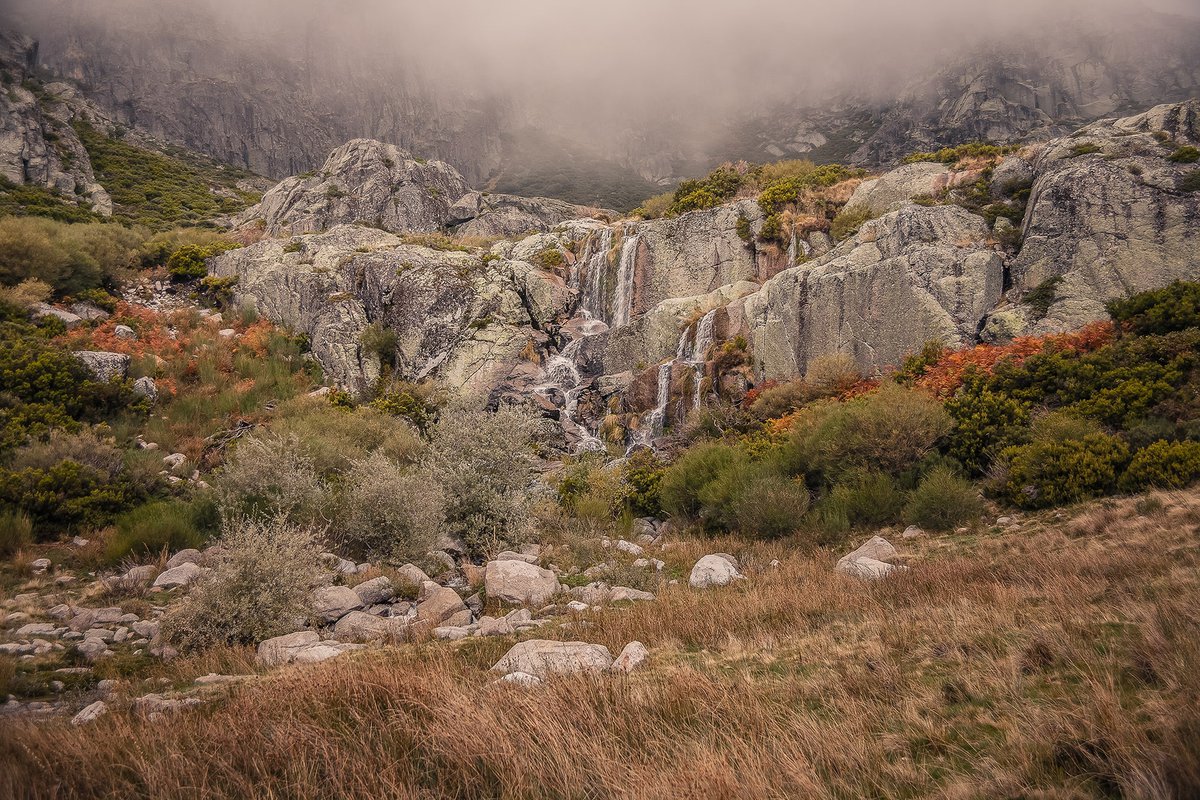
441	606
104	366
911	276
1106	217
358	626
362	181
507	215
515	581
713	570
331	603
543	658
893	190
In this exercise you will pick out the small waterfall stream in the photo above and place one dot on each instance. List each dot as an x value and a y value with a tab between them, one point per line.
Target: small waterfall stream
694	344
623	300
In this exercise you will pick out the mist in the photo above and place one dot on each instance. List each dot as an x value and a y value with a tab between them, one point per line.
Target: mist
604	76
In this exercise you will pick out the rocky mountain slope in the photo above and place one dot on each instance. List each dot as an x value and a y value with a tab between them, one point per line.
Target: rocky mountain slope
620	326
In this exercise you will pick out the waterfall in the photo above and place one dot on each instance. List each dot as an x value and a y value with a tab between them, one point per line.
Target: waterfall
703	341
623	302
595	266
658	416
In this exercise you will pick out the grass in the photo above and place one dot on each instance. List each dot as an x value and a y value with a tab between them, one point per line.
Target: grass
1052	661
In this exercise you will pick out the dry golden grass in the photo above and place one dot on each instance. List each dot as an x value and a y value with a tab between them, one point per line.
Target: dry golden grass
1054	661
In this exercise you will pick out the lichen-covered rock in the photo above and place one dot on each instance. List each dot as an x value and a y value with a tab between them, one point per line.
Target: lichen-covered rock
1106	215
543	658
507	215
104	366
362	181
897	188
911	276
515	581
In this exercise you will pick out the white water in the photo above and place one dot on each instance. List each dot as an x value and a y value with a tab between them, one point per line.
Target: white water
703	341
623	302
594	265
658	416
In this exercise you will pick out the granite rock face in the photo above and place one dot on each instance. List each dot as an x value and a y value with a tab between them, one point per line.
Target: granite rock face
1107	216
906	278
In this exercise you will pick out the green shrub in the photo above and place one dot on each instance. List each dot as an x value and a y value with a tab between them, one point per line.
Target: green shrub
782	399
1085	149
867	499
1068	460
70	258
1042	296
887	431
16	532
686	479
381	342
484	462
776	196
1190	182
333	437
848	221
162	526
413	402
744	231
771	506
952	155
1185	155
1163	465
232	604
64	496
269	476
644	475
985	422
1172	308
189	262
385	512
550	259
943	501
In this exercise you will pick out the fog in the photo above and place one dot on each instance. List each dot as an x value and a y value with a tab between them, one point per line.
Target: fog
599	71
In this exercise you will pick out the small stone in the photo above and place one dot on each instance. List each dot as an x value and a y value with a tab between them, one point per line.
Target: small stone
629	547
912	532
124	332
633	656
175	460
90	713
39	565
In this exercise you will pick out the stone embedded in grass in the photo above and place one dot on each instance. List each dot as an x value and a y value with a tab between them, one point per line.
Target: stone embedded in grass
188	556
104	366
618	594
543	657
519	679
283	649
519	582
869	561
358	626
876	547
179	576
124	332
632	657
140	575
90	713
714	570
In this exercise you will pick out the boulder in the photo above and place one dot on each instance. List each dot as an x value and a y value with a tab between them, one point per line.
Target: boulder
181	575
619	594
441	606
187	556
124	332
519	679
47	311
897	188
283	649
147	388
358	626
90	713
331	603
633	656
713	570
363	181
519	582
104	366
869	561
876	547
375	591
542	658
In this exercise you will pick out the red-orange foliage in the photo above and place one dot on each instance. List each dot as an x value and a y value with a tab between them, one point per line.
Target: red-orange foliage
943	378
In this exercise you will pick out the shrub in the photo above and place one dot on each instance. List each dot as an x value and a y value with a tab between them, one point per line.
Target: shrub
259	587
774	402
70	258
848	221
414	402
772	506
550	259
385	512
867	499
952	155
887	430
684	480
644	475
334	437
189	262
1068	460
1185	155
985	422
269	476
162	526
1042	296
833	374
484	462
942	501
64	496
1190	182
16	532
655	207
1163	465
718	186
744	231
1172	308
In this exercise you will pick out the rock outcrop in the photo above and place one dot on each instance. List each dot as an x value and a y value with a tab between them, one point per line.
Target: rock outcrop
1107	216
911	276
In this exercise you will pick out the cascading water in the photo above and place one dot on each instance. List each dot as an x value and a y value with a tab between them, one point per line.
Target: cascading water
692	350
658	416
623	301
594	267
703	341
